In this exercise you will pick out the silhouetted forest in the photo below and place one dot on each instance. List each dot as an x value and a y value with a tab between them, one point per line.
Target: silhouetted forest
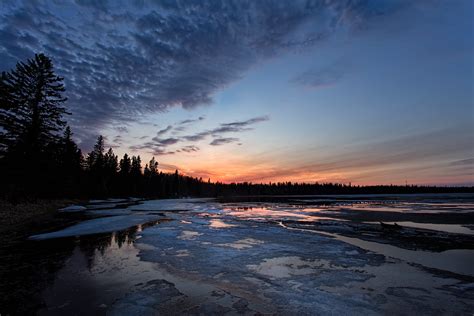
39	158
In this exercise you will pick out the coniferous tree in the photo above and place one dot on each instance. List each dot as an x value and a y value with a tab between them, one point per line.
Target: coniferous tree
136	169
136	175
6	104
95	159
31	117
70	163
71	155
110	163
153	166
32	98
96	167
124	175
146	172
125	165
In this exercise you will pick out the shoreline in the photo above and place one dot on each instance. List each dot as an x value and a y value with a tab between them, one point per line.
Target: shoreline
19	220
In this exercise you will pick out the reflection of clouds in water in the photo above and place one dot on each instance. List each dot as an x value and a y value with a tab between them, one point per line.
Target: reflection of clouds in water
182	253
449	228
188	235
243	243
414	207
263	213
217	223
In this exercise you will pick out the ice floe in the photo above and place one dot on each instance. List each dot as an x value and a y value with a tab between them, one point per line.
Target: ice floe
99	225
284	267
73	208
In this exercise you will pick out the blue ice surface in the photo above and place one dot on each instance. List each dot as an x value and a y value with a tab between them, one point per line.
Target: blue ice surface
99	225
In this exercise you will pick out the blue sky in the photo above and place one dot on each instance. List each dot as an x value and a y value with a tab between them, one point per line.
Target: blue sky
347	91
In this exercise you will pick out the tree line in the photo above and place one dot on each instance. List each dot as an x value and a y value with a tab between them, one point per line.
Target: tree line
39	158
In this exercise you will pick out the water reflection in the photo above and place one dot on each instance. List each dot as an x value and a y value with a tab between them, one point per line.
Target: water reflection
459	261
217	223
449	228
282	212
60	275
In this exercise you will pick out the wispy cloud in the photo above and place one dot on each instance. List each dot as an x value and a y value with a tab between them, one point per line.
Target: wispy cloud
159	145
164	130
189	121
325	76
223	141
121	129
224	128
188	149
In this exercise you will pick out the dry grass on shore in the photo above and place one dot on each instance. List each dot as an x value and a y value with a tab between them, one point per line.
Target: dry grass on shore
16	216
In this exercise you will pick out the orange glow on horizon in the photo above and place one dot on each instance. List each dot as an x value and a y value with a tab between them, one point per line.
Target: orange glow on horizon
266	173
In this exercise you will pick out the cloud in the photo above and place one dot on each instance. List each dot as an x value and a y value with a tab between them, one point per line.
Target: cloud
463	162
224	128
166	141
121	129
118	140
184	124
222	141
158	145
189	121
188	149
123	60
323	77
164	130
161	152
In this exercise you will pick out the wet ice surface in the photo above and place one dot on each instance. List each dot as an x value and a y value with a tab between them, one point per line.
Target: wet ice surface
99	225
202	256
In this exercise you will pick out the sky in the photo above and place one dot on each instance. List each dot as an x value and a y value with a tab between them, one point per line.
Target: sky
361	92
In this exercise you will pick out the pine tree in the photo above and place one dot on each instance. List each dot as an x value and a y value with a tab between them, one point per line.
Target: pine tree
6	104
153	167
69	163
70	155
110	163
125	165
146	172
136	169
31	118
96	168
32	105
95	159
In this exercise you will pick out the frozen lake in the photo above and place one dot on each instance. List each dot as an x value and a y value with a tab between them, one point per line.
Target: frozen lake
244	256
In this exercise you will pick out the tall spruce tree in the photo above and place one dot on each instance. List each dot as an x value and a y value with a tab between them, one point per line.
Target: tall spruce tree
32	106
153	167
95	159
32	121
125	165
